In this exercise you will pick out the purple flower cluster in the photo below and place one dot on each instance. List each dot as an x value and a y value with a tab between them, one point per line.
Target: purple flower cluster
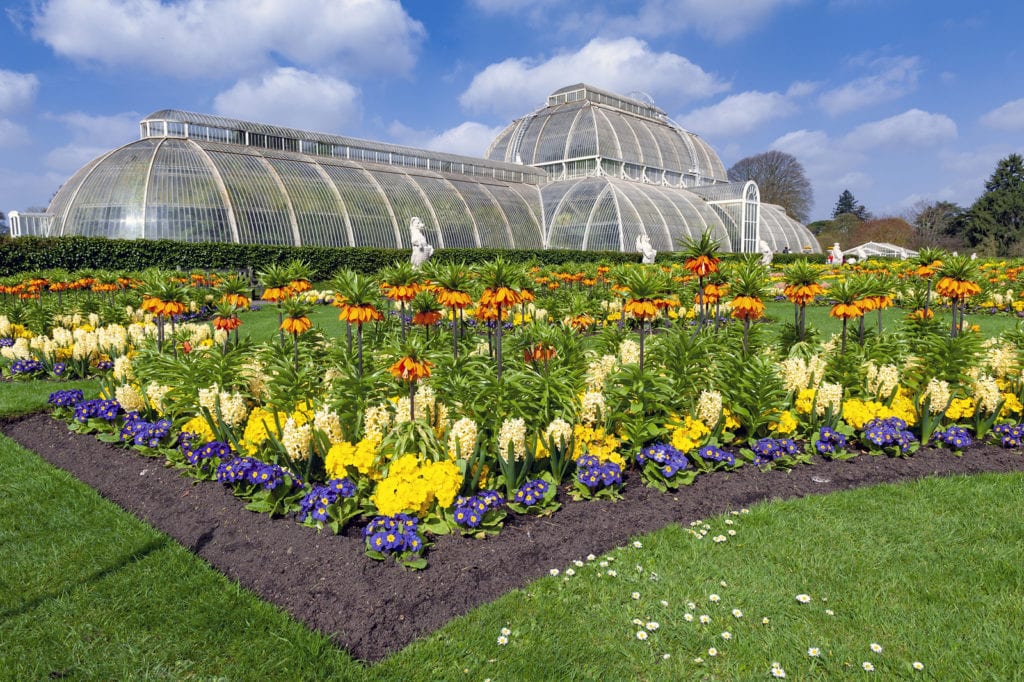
26	367
393	534
531	492
215	449
470	511
891	431
955	437
97	408
668	458
66	398
1011	435
6	342
767	450
144	433
58	368
593	473
829	441
104	365
315	505
252	471
710	453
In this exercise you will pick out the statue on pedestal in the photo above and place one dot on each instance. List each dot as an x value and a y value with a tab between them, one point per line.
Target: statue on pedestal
766	253
421	250
643	245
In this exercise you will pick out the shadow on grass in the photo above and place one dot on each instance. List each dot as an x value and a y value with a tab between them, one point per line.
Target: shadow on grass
134	557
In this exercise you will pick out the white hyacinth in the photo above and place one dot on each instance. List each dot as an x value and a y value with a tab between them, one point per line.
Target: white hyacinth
986	394
592	407
629	352
709	408
937	393
462	434
328	423
129	398
828	396
296	439
376	422
558	432
512	432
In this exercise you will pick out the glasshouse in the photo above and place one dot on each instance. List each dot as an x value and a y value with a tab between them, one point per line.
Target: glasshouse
590	170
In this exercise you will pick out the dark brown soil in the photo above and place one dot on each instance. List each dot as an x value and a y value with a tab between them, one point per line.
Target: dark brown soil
375	608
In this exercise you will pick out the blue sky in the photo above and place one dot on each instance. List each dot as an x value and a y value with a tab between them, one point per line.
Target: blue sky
898	101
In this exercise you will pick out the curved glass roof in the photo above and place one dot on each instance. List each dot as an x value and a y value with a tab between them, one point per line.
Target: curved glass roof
591	170
582	121
781	231
191	190
608	214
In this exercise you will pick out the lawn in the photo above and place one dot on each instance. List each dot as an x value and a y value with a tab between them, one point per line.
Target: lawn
931	571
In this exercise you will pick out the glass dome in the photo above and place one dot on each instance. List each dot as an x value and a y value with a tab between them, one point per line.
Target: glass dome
591	170
196	190
633	139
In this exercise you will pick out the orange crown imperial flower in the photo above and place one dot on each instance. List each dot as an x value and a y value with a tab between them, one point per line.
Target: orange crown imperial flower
296	325
401	292
359	314
747	308
427	318
276	294
453	299
702	266
956	288
410	369
643	309
846	311
226	323
236	300
501	296
922	314
802	294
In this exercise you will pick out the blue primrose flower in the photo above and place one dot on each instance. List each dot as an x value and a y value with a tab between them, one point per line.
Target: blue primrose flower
670	460
532	492
393	534
66	398
891	431
956	437
1011	435
714	454
470	511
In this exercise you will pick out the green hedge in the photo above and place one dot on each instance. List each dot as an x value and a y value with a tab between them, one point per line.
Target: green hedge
26	254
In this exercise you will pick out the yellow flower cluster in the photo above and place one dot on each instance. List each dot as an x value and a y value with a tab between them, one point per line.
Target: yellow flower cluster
594	441
960	408
1011	405
129	397
261	423
786	424
805	400
690	435
199	426
411	486
361	456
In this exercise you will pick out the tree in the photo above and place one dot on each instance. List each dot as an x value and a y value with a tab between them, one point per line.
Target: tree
997	217
781	180
848	204
937	224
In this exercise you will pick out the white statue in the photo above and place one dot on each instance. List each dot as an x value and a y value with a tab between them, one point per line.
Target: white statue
643	245
421	250
974	256
766	253
837	254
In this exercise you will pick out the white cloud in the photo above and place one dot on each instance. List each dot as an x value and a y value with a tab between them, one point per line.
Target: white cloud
511	87
12	134
894	77
1009	116
91	136
17	90
218	38
738	114
511	6
469	138
913	127
719	21
293	98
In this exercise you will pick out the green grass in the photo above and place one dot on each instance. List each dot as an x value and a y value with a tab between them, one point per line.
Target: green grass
931	570
25	397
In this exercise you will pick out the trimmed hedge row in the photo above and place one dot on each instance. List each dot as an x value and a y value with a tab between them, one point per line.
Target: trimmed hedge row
26	254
